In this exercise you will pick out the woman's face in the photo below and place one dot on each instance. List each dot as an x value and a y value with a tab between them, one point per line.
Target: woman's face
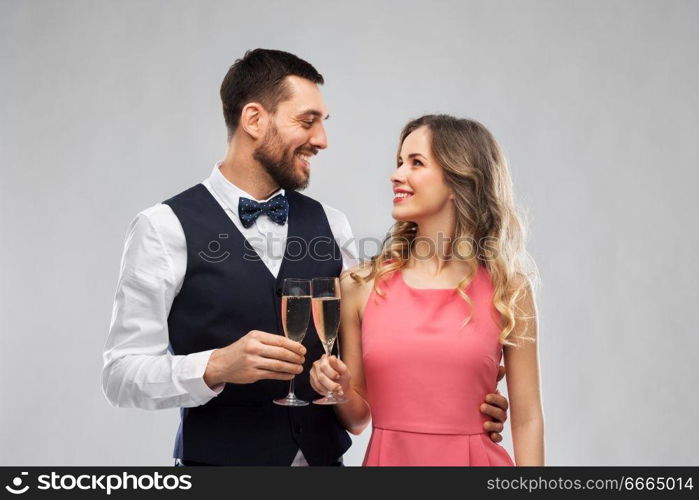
419	188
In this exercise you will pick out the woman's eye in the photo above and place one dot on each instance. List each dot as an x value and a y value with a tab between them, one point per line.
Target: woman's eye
418	163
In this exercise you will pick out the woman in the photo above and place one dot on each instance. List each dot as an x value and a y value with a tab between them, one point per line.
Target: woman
426	322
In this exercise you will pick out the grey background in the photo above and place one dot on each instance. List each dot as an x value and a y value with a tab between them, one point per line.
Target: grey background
109	107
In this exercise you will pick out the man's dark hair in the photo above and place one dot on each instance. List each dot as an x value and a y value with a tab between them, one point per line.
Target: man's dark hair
259	77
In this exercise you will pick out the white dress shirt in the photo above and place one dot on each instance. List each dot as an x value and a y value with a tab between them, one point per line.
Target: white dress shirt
139	370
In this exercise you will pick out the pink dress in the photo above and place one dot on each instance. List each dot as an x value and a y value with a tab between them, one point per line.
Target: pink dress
427	375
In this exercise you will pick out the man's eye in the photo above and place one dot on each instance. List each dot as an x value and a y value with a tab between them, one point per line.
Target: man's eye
308	123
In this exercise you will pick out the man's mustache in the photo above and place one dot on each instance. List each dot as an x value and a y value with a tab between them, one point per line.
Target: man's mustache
310	152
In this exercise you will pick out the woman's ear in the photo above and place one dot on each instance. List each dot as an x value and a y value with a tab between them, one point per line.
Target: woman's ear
253	120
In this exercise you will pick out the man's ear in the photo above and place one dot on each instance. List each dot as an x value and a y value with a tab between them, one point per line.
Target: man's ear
253	120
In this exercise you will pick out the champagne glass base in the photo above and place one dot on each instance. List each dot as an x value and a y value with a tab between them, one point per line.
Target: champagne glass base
330	400
290	400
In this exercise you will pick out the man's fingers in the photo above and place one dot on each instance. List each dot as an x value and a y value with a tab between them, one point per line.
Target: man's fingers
493	426
494	412
501	372
280	353
266	374
280	341
274	365
497	400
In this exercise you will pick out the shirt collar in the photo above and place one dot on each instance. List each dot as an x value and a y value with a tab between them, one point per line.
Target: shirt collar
229	193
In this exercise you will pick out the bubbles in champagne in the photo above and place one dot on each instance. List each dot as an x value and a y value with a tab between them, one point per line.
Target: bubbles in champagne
296	311
326	317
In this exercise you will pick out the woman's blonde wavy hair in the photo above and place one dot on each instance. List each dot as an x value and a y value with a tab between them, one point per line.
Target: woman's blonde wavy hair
489	231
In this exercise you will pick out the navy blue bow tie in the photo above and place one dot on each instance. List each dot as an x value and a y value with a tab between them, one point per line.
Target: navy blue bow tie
276	209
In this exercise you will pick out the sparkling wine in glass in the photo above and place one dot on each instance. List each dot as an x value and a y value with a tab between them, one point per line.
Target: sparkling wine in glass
326	318
296	312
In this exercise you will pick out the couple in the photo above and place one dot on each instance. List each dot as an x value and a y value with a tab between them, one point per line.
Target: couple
196	320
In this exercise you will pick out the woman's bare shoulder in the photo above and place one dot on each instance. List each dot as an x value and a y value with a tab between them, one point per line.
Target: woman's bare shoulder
356	288
355	281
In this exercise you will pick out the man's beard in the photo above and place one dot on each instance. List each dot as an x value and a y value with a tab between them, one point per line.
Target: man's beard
279	162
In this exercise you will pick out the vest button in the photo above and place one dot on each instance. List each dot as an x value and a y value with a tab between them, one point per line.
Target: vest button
298	429
279	291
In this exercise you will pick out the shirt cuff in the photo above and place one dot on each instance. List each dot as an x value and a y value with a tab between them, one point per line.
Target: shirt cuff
194	376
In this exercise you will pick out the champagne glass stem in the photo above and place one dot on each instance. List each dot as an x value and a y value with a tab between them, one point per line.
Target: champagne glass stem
330	394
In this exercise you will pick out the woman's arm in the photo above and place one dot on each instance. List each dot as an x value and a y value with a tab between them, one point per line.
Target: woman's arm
523	387
346	376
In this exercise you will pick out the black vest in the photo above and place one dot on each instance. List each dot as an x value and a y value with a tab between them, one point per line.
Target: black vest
228	291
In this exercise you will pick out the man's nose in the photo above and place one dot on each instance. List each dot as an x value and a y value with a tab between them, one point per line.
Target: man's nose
319	139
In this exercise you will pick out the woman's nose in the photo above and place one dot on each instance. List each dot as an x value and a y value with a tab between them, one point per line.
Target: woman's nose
398	176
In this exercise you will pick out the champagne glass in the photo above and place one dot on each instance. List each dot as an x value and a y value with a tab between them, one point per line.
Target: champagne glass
296	311
326	318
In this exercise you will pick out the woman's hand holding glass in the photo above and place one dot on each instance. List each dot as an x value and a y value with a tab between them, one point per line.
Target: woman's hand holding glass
330	375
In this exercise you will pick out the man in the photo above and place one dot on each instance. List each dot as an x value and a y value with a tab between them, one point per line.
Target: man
196	319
